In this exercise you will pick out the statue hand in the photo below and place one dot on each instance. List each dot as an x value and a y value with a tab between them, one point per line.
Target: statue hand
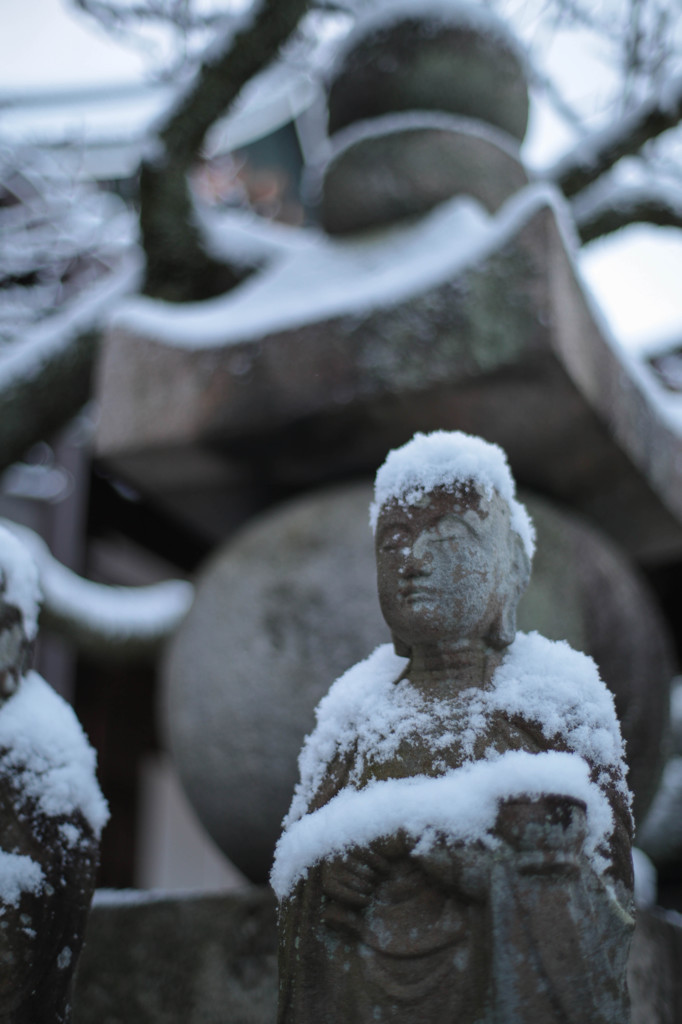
349	881
545	834
461	868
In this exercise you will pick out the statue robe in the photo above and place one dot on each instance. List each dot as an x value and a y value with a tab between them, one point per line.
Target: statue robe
463	934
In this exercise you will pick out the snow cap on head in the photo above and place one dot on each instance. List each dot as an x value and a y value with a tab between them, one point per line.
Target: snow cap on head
446	458
19	581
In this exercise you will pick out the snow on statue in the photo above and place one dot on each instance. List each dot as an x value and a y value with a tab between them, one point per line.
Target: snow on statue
51	815
458	846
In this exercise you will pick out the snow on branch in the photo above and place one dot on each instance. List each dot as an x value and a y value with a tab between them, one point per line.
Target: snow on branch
599	151
174	31
45	378
114	13
66	253
601	209
58	236
126	623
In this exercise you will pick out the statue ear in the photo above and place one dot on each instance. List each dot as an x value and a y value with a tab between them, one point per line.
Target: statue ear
402	649
503	628
521	564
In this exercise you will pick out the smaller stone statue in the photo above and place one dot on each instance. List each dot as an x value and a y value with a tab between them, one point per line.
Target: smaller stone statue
458	847
51	816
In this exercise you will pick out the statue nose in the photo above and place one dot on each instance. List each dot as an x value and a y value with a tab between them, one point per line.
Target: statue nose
417	557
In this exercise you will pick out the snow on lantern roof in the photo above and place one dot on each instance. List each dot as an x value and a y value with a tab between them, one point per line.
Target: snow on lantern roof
446	458
21	584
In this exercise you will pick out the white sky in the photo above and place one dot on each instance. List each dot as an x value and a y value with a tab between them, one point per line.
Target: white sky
635	274
48	42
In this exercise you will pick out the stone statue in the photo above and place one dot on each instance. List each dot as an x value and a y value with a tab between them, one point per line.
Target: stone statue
51	816
458	847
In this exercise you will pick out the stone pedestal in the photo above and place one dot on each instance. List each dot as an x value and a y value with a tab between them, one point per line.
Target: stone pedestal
173	959
212	959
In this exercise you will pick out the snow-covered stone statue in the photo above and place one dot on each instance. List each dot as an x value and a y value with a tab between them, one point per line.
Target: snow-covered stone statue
458	846
51	816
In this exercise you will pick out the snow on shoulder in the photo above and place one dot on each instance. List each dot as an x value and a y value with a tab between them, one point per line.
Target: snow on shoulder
45	749
446	458
19	576
370	710
548	682
461	806
364	709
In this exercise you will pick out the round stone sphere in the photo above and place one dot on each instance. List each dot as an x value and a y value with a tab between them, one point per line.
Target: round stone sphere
281	610
403	165
428	57
586	590
290	603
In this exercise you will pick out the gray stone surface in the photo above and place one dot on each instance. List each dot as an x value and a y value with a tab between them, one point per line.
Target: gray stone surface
290	603
660	835
213	960
655	968
287	606
585	590
507	348
431	60
179	960
401	166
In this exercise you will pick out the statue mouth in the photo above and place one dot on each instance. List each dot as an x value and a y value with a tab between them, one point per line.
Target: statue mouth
414	594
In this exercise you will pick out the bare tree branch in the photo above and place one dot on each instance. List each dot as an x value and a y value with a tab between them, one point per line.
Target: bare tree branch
598	152
178	268
180	27
617	208
113	15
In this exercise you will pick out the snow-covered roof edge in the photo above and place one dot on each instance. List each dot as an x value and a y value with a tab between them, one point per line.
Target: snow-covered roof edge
274	300
145	613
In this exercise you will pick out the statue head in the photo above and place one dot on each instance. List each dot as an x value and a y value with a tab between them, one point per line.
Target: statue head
453	544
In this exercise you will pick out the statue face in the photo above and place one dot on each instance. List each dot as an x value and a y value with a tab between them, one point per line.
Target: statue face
443	566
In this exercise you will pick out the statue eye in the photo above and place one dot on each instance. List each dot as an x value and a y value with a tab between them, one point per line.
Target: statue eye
453	527
394	539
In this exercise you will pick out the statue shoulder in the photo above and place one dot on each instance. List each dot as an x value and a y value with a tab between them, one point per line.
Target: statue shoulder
327	754
551	684
558	694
